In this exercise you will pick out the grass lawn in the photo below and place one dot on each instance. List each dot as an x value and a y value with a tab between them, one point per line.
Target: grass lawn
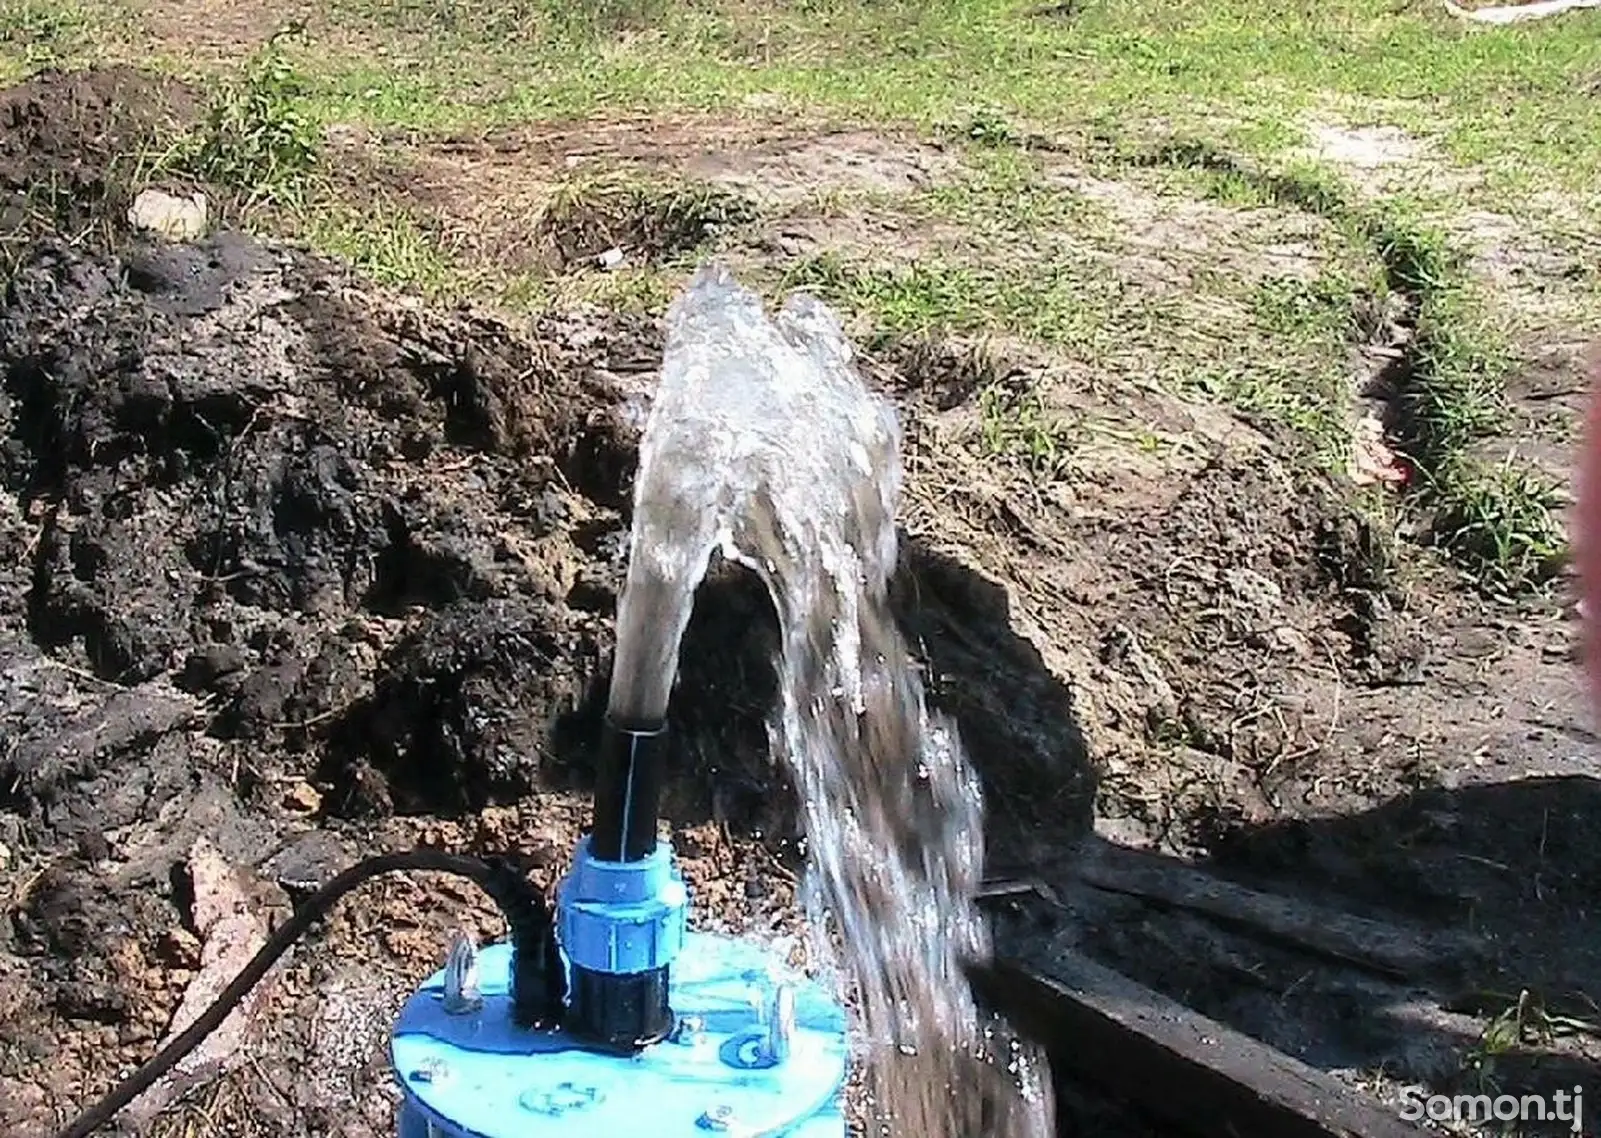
1205	200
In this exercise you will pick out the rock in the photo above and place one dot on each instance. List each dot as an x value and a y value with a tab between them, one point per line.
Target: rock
179	948
302	798
308	862
231	928
175	218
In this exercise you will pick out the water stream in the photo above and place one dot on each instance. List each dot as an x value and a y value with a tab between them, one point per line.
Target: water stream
764	444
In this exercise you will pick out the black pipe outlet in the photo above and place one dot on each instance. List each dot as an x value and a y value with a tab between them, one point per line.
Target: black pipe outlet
628	791
620	1012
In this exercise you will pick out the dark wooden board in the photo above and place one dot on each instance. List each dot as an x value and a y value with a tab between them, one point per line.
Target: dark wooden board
1171	1062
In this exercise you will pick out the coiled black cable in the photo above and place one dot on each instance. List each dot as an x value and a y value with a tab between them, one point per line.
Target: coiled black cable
538	978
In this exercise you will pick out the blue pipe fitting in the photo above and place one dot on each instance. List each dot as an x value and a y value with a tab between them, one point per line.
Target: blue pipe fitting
622	917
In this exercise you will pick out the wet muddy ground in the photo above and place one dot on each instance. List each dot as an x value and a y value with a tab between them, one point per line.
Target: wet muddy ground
305	570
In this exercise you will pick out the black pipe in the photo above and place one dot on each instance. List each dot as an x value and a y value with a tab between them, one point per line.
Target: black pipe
628	791
621	1012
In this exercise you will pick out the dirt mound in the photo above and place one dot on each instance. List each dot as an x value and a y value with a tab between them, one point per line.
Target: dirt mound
226	462
69	142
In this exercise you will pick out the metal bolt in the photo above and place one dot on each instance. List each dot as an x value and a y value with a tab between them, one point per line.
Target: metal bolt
779	1018
719	1117
461	976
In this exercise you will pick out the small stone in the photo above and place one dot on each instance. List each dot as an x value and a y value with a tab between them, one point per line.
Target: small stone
611	259
302	798
175	218
1292	641
179	948
5	857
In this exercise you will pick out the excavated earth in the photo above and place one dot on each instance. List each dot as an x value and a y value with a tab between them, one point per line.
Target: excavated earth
293	570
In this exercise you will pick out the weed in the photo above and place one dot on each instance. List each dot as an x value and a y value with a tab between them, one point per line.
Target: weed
988	127
387	244
1457	381
918	298
1502	523
1014	423
257	139
1069	301
1292	307
1417	261
1526	1022
645	220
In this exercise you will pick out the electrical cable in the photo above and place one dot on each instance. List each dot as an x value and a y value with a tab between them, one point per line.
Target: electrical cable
538	991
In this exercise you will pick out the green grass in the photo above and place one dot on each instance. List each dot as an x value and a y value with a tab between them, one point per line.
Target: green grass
1516	103
1015	423
41	33
1036	261
1275	347
1513	103
1500	521
1183	103
644	217
389	245
258	139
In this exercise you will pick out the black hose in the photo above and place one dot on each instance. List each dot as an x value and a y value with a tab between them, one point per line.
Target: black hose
537	985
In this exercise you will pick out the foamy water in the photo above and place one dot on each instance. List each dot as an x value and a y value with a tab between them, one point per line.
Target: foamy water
763	442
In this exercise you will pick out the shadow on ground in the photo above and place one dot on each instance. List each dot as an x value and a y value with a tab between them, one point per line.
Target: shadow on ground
1449	938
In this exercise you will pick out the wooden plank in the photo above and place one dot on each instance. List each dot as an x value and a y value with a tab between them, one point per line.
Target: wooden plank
1374	946
1383	948
1172	1062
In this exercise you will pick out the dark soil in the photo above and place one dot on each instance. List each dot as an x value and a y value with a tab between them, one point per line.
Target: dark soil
310	571
69	142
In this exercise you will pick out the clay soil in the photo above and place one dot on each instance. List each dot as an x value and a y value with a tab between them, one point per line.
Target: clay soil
300	570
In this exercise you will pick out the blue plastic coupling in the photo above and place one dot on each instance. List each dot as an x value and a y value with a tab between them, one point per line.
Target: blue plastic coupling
622	917
620	925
